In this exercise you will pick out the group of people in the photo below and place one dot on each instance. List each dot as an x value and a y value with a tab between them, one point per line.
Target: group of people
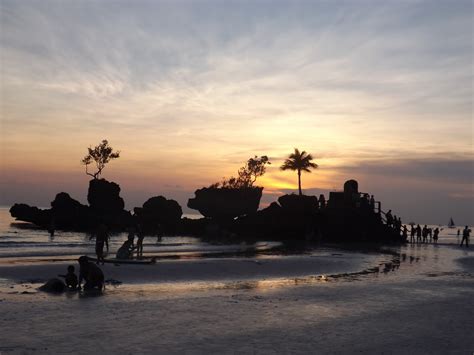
423	235
128	248
393	221
89	274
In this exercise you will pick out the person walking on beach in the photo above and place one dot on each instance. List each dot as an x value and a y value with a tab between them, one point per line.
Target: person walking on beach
101	239
465	236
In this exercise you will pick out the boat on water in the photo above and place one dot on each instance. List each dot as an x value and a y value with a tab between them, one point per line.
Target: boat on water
451	223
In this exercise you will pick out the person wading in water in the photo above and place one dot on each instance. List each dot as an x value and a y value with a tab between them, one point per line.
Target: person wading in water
101	238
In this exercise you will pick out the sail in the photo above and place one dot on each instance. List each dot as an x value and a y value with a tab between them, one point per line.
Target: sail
451	223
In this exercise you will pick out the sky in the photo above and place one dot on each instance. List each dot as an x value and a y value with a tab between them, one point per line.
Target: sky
187	91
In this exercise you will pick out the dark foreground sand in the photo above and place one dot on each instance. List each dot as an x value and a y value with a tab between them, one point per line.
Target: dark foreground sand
423	307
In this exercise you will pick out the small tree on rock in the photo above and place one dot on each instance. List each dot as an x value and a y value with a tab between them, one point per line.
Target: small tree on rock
247	175
100	155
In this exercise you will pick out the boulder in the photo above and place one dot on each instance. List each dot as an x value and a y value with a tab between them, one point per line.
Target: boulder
159	213
226	203
104	197
24	212
68	213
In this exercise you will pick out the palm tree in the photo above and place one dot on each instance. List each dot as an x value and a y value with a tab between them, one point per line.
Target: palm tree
299	162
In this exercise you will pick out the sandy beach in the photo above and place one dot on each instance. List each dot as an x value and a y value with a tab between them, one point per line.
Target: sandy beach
413	299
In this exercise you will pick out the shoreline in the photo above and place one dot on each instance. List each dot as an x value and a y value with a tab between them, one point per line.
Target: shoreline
423	305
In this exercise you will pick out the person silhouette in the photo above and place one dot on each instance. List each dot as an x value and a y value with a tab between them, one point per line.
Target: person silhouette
418	233
70	278
435	235
101	238
412	233
91	274
465	236
389	218
140	237
405	233
425	234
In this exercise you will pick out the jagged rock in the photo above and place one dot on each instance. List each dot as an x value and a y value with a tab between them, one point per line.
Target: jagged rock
67	213
104	197
226	203
158	212
24	212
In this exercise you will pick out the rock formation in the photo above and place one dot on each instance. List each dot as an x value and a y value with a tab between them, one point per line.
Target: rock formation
157	214
226	203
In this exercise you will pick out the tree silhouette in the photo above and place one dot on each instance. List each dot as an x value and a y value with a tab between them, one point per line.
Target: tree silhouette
247	175
101	155
299	161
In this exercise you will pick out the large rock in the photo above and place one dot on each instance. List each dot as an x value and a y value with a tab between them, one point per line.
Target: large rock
26	213
68	213
159	213
104	197
226	203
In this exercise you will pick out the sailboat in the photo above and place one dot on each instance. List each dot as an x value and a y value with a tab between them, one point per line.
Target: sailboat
451	223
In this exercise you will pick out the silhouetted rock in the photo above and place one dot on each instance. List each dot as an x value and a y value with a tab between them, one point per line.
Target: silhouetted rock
26	213
68	213
159	213
293	218
226	203
107	206
104	197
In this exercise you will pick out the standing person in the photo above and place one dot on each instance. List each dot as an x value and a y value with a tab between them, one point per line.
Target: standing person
140	237
322	201
435	235
418	233
372	203
412	233
465	236
425	234
389	218
101	238
405	233
52	228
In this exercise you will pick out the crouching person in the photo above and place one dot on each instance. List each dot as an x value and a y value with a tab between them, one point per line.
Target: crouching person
91	274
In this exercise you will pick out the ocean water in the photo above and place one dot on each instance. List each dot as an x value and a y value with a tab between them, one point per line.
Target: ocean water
19	239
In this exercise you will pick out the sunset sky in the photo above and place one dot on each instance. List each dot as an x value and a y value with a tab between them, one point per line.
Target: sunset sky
188	90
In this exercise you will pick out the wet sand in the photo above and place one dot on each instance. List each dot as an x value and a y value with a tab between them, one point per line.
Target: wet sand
417	299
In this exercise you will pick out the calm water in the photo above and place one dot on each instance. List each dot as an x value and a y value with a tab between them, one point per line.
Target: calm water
19	239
